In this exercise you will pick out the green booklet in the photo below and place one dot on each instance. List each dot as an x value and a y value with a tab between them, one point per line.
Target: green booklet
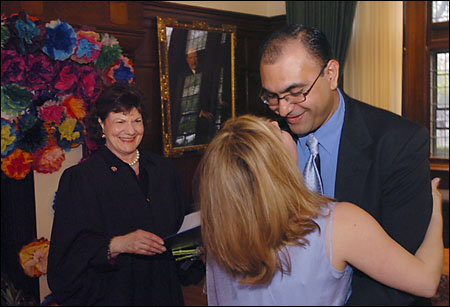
186	242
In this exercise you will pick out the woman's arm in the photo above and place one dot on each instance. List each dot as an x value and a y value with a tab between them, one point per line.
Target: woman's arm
359	240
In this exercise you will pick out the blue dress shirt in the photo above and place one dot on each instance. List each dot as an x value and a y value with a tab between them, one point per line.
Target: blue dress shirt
329	136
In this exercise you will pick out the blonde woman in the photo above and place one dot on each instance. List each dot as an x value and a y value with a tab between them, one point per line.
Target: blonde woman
270	241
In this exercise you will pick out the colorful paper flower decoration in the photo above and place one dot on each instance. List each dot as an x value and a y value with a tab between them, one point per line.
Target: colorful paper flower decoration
17	165
51	111
50	76
13	67
109	53
32	134
69	134
25	33
88	47
48	159
74	107
60	41
5	35
9	137
15	99
121	71
39	72
34	256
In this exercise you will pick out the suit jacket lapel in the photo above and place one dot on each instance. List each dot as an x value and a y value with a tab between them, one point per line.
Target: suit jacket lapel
354	160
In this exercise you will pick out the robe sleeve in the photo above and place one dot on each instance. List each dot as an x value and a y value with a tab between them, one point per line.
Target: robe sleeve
77	262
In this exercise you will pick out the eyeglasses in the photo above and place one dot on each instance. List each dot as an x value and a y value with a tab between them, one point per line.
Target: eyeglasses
273	100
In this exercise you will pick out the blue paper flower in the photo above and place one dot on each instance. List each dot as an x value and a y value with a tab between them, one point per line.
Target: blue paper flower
123	74
27	31
60	40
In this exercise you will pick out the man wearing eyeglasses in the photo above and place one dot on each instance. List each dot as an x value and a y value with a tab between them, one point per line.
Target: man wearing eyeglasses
368	156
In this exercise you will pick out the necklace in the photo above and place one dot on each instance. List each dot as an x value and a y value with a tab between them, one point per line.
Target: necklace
135	160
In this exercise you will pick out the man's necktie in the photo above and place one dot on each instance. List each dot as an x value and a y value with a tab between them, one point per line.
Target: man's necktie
311	172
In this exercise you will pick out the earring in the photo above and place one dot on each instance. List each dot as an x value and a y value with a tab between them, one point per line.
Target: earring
103	136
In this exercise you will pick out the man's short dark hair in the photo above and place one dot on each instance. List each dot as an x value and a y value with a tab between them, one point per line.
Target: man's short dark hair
311	38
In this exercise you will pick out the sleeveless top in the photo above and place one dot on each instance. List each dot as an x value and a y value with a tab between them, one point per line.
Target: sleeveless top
312	280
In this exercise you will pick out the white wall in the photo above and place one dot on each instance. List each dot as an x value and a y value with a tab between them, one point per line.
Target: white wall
373	68
262	8
45	186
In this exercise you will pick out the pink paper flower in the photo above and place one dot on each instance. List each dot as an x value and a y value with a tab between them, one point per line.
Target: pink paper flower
13	67
48	159
89	84
40	72
33	257
88	47
67	77
51	111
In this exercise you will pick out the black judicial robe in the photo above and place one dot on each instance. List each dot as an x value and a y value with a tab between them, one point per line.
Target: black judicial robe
99	199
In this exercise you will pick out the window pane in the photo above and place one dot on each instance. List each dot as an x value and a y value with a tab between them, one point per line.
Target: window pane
440	11
196	40
439	105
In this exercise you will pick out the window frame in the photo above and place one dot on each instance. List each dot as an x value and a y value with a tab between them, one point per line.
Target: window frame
421	38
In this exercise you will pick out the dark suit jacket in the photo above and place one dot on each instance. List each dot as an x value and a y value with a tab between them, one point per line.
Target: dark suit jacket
101	198
383	167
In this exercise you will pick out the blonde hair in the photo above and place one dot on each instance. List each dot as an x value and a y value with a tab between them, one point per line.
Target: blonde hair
253	201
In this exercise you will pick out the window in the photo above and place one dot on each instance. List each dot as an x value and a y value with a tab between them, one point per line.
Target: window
439	11
439	120
189	110
425	97
196	40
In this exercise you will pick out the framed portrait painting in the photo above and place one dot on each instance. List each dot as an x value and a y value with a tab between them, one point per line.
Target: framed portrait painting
197	77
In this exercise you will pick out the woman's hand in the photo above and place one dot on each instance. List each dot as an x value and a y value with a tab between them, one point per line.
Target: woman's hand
137	242
437	197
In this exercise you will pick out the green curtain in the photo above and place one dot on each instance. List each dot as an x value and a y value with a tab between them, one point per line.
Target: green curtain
334	18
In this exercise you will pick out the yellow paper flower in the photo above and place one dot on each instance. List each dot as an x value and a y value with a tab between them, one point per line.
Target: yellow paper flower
67	129
33	257
7	137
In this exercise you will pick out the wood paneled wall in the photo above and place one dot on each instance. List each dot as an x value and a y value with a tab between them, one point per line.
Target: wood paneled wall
133	23
419	38
251	31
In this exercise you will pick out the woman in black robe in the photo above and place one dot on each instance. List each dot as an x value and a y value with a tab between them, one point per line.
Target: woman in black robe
111	213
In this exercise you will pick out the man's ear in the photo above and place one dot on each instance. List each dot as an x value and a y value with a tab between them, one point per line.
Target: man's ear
332	73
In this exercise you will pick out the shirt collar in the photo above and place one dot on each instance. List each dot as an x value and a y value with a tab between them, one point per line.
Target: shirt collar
327	134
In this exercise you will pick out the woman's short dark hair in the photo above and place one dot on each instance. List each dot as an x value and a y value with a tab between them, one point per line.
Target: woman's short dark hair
311	38
119	97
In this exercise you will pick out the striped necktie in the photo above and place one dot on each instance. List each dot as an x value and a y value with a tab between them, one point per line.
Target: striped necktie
311	173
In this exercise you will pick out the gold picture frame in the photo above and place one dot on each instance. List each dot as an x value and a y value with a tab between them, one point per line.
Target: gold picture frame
197	82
